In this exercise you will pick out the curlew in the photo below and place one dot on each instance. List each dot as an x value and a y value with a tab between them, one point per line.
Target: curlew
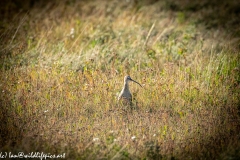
125	93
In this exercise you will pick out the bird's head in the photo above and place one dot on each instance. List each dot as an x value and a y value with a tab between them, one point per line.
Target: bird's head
128	78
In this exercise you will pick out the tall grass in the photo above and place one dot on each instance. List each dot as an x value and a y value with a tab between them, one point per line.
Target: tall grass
63	68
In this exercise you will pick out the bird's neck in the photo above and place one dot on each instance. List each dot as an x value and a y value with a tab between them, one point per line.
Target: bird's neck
126	87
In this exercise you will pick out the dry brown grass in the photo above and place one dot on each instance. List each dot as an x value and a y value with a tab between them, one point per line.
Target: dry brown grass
58	89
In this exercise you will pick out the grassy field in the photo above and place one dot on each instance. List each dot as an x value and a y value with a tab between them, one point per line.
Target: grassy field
62	67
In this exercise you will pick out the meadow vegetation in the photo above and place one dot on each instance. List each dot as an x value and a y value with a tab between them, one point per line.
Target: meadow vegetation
62	66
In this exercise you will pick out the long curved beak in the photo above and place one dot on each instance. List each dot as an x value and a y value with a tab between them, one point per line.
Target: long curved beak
136	82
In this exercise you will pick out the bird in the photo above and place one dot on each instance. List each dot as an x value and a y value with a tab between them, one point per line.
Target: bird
125	95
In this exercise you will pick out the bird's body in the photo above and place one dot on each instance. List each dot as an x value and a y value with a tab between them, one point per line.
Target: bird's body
125	95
